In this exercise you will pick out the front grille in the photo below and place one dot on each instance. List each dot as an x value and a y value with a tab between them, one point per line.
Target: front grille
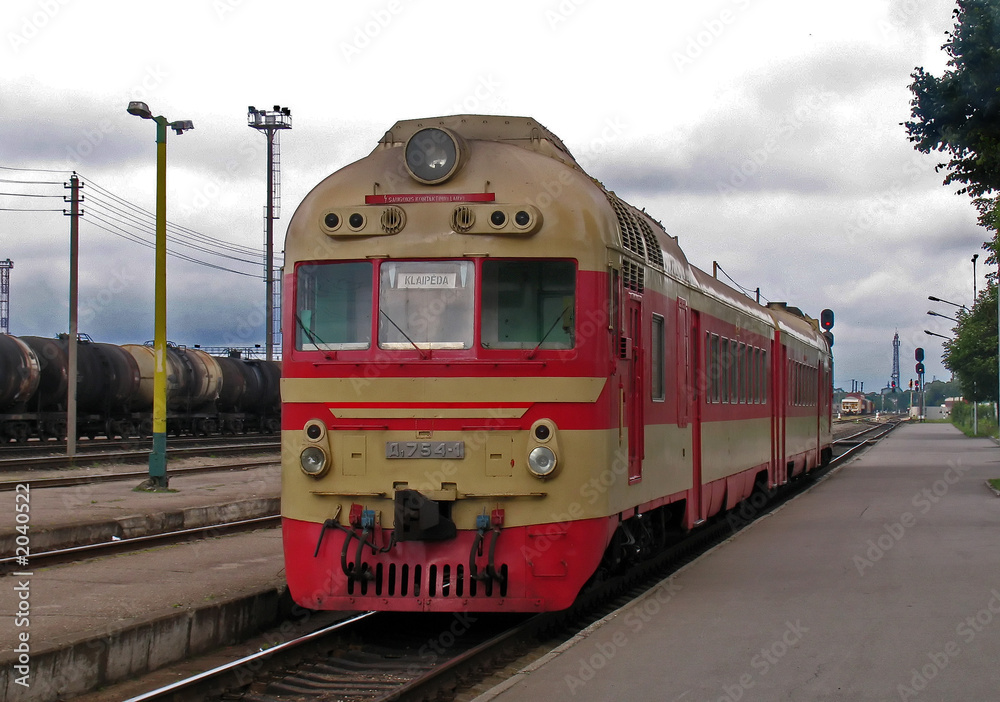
420	580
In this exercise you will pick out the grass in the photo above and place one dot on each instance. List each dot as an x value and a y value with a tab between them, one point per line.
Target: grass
994	483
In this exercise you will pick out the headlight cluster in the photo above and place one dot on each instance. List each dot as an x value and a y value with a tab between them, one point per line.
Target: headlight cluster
313	459
543	449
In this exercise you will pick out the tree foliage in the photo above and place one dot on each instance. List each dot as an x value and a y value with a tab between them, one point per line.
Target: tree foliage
972	354
960	111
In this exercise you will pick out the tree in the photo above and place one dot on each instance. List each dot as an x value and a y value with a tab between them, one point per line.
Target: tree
972	354
960	111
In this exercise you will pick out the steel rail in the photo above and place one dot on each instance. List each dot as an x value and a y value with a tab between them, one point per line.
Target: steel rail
37	483
246	661
103	548
29	462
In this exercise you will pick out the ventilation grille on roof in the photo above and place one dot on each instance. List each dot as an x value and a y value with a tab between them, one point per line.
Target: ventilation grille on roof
632	276
654	254
632	238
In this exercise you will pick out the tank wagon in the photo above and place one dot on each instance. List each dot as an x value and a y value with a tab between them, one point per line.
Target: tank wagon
500	380
205	394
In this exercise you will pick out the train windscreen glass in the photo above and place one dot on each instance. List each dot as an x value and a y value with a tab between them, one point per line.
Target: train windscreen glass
333	306
528	304
427	304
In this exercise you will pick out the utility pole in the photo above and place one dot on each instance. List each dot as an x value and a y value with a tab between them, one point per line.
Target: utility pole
5	268
74	264
269	122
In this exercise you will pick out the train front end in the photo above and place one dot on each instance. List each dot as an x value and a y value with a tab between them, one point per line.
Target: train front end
445	390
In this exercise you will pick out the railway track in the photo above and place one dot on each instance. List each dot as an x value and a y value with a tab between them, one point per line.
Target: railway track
91	478
372	656
43	559
44	458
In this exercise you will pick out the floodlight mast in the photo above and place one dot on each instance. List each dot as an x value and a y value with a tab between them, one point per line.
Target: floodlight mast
269	122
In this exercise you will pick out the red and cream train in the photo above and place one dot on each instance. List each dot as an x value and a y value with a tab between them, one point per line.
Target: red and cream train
500	380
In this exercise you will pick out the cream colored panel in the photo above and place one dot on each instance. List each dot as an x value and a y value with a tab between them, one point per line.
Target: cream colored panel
355	454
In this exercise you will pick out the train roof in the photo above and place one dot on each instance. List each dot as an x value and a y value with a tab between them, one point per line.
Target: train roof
521	131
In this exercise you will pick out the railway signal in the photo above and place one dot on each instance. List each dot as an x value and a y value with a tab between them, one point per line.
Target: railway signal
826	322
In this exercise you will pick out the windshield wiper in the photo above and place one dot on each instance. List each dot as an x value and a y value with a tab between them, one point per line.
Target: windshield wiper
562	313
405	336
312	337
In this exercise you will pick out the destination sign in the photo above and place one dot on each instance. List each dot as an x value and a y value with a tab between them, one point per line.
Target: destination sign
425	449
426	280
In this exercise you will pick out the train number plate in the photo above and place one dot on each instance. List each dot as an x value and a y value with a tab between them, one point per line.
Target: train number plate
425	449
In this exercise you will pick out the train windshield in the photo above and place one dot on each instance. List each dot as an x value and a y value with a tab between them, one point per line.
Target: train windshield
528	304
334	306
427	304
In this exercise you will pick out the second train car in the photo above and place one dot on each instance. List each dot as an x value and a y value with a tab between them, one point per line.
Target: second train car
502	381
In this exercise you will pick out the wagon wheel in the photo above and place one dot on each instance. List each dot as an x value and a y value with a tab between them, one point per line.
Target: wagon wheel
18	431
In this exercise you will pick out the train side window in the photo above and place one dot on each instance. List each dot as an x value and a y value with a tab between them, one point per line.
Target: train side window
734	371
765	376
659	342
712	368
743	373
528	304
333	306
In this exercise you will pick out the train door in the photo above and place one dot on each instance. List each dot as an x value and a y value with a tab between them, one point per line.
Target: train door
634	388
693	357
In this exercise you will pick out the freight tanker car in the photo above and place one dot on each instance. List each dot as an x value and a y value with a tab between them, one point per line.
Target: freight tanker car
114	392
501	381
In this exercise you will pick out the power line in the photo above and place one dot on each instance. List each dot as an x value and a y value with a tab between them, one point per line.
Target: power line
27	209
32	170
128	221
28	195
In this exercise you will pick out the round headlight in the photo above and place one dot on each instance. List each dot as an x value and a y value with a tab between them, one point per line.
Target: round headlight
313	461
432	155
541	461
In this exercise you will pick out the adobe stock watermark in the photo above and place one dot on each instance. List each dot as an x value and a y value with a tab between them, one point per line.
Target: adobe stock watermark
888	202
224	8
893	533
562	12
599	654
967	630
764	661
815	104
92	139
30	26
367	32
707	35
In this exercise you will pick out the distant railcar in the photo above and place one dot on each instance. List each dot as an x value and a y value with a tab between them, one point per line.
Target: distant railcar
856	404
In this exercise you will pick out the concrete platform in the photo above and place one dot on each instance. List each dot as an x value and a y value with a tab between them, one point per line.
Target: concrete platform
881	583
102	620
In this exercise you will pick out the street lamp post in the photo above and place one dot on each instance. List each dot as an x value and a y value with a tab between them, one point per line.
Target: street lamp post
158	456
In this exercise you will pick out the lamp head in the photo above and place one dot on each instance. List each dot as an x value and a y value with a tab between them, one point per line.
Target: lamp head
139	109
181	126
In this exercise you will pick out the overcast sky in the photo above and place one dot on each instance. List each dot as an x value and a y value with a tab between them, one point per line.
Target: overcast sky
763	133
